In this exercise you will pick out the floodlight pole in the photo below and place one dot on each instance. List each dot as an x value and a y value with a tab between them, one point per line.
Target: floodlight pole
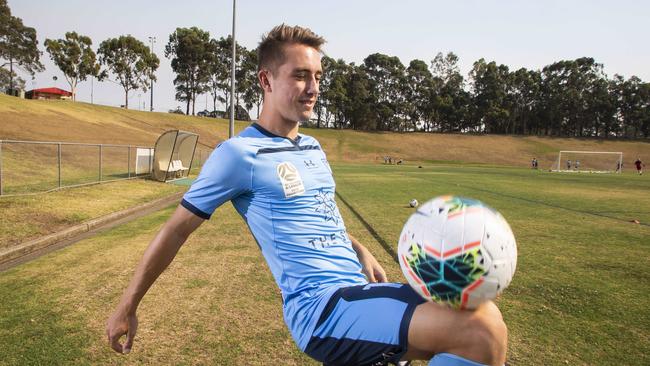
231	130
152	40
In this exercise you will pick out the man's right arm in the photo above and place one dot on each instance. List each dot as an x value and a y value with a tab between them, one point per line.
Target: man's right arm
158	255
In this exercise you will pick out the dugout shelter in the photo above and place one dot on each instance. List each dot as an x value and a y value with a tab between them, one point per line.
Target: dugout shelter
173	155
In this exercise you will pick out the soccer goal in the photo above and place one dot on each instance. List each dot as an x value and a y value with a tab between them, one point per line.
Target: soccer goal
588	162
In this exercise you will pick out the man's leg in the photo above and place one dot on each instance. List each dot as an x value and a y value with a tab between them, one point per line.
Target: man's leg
478	336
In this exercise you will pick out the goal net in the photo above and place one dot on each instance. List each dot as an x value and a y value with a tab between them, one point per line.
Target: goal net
588	162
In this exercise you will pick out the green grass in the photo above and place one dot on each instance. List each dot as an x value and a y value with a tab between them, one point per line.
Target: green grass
579	297
580	290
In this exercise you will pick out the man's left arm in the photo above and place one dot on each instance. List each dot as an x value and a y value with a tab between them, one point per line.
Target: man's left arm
370	267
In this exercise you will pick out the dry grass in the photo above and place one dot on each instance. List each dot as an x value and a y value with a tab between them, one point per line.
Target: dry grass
26	217
81	122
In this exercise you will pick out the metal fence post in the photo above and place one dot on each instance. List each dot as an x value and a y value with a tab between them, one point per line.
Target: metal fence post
128	168
100	163
59	162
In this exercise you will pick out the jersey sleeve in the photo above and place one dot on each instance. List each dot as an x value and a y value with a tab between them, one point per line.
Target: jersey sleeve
225	175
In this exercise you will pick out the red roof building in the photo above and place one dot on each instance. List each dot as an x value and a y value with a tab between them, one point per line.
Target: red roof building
48	93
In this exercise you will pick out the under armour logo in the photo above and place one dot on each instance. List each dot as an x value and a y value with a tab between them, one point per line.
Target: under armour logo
309	164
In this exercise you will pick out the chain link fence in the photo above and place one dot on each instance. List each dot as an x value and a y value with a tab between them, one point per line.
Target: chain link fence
37	166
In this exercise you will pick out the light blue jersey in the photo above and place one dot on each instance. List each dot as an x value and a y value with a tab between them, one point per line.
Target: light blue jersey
284	190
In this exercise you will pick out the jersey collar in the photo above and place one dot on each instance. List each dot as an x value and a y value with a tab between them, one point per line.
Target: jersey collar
268	133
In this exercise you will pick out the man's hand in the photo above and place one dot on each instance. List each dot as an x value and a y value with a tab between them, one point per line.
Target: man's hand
371	268
369	265
160	252
119	324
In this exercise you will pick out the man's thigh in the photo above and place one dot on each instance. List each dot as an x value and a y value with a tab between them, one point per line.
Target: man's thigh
364	325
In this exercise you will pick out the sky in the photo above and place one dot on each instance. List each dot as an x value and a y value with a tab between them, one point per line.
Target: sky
517	33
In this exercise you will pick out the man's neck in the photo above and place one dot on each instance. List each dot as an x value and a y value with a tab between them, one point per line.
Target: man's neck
278	125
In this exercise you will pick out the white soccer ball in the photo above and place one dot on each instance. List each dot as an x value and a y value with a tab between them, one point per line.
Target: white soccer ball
457	251
413	203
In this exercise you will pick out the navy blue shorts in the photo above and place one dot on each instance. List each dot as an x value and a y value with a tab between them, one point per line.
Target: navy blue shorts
364	325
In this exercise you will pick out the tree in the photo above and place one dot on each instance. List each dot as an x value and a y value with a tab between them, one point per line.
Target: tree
386	74
220	69
6	81
131	62
490	85
74	57
419	89
451	101
567	92
18	45
190	51
249	83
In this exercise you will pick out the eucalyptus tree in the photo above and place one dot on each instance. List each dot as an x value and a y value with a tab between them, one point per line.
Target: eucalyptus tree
190	51
419	91
489	83
248	83
130	61
219	70
75	57
18	46
452	101
386	77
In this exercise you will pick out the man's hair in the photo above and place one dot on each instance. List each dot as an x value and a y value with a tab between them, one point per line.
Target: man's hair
270	51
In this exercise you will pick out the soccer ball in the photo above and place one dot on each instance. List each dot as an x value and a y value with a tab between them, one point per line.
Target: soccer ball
413	203
457	251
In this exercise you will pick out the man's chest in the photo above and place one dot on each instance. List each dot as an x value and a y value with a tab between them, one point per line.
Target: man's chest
283	175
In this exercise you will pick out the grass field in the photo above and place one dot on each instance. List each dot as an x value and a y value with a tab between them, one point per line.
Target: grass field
28	217
580	294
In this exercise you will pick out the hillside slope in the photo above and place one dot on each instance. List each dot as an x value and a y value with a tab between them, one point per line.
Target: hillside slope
81	122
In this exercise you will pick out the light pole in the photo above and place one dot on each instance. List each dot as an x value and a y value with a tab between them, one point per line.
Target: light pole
152	40
231	130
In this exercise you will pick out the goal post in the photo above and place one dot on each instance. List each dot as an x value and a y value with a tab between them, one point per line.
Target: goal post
588	162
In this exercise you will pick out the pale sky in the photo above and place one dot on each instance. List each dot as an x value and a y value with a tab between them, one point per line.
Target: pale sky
517	33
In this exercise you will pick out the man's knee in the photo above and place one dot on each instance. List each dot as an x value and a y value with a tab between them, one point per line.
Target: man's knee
479	335
489	335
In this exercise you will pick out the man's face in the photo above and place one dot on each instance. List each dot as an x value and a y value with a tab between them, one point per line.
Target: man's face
294	84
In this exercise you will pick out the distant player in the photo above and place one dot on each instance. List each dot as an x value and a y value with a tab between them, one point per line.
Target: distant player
639	166
568	165
337	304
577	164
619	166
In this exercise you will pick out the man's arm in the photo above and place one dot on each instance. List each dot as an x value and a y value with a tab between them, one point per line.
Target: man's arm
160	252
370	267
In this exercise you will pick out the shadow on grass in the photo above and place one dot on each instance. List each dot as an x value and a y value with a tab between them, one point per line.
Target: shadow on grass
370	229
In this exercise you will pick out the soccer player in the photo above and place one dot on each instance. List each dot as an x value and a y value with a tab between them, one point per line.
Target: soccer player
639	166
337	304
568	165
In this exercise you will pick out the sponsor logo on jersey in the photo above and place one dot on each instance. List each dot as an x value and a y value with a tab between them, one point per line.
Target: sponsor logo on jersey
290	179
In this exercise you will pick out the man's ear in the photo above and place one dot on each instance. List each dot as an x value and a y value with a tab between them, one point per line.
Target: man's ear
265	83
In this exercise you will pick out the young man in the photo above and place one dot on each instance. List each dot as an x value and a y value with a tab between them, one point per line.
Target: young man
280	183
639	166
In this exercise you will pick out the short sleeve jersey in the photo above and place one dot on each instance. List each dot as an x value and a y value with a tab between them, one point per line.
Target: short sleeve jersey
284	191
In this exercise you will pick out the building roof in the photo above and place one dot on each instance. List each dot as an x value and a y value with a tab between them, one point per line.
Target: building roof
51	91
